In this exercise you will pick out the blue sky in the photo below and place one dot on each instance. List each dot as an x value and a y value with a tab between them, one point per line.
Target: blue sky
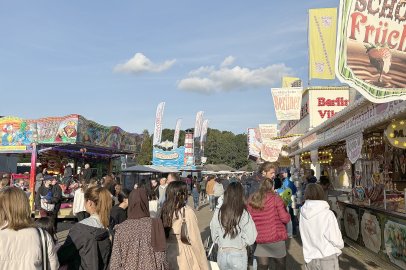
114	61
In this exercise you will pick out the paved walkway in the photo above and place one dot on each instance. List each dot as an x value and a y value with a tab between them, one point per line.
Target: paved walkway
353	258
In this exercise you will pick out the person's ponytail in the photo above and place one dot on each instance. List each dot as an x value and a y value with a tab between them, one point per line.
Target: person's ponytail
104	206
102	198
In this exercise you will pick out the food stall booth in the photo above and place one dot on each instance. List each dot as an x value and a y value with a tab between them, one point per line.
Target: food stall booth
362	150
55	142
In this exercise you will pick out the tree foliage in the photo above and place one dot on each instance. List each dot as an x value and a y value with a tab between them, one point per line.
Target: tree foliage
145	156
221	147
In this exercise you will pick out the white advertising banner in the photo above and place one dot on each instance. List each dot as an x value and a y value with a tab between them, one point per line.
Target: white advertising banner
158	123
268	131
176	135
354	146
270	150
254	143
323	104
198	124
203	133
287	103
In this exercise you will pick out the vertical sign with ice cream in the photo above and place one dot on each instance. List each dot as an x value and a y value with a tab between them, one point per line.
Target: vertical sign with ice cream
371	48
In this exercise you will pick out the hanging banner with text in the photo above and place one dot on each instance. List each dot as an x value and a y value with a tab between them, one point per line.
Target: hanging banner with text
254	142
287	103
322	43
371	48
354	146
270	151
267	132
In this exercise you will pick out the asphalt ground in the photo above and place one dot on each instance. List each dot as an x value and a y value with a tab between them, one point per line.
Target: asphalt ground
353	257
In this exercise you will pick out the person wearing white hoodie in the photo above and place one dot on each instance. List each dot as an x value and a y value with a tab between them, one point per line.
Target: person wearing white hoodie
321	236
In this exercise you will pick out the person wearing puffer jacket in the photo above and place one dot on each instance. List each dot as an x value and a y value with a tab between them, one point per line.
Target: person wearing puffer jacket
270	217
321	246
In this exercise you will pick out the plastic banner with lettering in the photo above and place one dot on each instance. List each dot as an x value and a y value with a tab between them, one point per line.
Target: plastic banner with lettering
267	132
371	48
287	103
254	142
354	146
322	43
173	158
270	150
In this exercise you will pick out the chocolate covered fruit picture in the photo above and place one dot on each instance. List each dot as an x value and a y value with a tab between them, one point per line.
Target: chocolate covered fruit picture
380	57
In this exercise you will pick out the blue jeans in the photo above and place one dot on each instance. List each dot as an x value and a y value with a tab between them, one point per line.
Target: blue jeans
196	199
211	202
232	259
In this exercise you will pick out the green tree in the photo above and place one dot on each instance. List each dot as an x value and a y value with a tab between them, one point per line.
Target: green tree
145	156
221	147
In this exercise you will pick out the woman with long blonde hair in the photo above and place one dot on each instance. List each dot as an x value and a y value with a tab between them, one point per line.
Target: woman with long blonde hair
88	245
19	239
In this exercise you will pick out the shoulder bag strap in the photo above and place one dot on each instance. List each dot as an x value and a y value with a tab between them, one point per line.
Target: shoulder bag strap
183	214
44	248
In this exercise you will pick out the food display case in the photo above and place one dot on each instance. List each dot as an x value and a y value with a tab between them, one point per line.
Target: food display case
378	225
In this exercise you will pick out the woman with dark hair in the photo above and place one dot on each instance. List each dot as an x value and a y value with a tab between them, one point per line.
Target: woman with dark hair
20	241
118	213
175	211
321	246
88	245
232	228
47	224
139	242
270	217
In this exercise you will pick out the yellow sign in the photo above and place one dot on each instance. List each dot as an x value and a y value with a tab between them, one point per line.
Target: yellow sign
396	134
322	43
13	148
291	82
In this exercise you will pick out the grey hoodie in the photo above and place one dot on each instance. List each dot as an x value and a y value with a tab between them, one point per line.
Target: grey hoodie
246	237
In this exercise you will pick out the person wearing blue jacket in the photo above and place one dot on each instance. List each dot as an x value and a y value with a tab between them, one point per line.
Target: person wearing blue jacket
288	183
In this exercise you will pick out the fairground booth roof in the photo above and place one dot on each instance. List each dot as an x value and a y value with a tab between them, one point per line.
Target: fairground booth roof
72	134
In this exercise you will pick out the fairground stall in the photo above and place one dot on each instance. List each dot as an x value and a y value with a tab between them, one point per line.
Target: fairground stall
362	150
54	142
141	175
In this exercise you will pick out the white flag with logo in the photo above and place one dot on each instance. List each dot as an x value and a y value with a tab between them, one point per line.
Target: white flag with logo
203	135
158	123
176	135
198	124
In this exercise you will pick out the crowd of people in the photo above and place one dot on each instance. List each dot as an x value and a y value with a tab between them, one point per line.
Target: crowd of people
153	227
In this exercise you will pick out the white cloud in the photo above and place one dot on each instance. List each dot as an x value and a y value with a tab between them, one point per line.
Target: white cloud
208	79
140	63
228	61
